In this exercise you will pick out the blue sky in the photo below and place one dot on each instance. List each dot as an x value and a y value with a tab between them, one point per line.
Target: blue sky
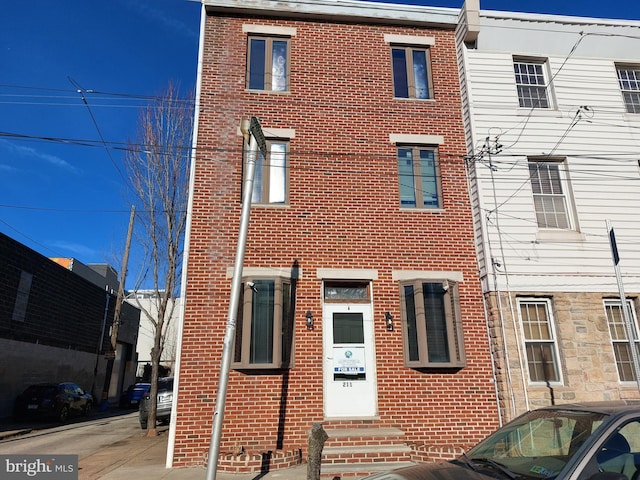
64	199
67	198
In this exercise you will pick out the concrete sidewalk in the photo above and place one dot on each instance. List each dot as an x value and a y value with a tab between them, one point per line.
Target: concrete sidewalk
140	458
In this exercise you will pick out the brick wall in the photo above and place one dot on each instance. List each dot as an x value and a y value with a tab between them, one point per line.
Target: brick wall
343	213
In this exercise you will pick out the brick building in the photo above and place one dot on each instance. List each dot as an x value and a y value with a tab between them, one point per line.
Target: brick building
367	310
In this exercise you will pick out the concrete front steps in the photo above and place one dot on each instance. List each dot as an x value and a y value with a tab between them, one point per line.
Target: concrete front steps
354	451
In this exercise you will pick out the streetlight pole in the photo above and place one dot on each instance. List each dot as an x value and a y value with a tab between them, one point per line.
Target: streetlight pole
253	134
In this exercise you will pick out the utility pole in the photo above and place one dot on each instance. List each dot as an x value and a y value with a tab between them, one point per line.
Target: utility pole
252	132
111	356
631	335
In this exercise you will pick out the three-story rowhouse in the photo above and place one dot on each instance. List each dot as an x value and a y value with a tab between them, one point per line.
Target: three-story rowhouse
361	307
552	114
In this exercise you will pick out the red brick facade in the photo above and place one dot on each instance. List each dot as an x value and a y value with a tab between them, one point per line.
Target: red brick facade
343	213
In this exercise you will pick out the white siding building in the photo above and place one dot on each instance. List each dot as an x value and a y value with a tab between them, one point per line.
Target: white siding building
147	301
552	115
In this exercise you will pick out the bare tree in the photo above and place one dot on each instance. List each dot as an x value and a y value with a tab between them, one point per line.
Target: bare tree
158	168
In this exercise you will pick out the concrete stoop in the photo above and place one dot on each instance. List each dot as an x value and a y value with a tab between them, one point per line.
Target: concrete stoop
354	452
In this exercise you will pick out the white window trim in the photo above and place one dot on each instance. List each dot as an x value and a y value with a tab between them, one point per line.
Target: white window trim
346	274
546	68
267	272
634	326
274	133
409	39
395	138
268	30
565	180
404	275
554	340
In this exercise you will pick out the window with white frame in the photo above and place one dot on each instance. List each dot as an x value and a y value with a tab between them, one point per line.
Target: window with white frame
550	188
531	83
540	343
271	178
264	331
629	81
419	177
620	339
432	324
268	63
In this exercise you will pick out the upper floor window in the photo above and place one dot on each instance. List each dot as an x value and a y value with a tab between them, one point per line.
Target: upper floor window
264	332
411	72
419	177
268	63
271	179
531	83
432	326
629	80
550	193
539	340
620	339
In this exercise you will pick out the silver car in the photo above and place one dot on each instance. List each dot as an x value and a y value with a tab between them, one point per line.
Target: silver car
589	441
163	406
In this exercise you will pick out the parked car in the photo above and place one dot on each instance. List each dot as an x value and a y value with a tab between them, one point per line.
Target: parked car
164	403
53	400
589	441
132	396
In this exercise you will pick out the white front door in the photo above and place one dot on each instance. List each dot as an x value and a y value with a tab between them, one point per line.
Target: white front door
349	361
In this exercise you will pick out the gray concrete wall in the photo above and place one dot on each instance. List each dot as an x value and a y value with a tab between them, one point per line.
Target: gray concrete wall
24	364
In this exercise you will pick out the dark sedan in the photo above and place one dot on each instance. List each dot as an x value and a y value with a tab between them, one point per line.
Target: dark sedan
589	441
131	398
52	400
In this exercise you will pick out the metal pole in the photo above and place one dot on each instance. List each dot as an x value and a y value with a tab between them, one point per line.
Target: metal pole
236	284
631	335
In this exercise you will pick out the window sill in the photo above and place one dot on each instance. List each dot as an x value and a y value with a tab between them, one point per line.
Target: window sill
631	117
422	210
270	205
538	112
411	99
559	236
546	384
274	92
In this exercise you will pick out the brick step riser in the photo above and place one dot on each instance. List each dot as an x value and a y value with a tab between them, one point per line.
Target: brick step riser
354	459
350	442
